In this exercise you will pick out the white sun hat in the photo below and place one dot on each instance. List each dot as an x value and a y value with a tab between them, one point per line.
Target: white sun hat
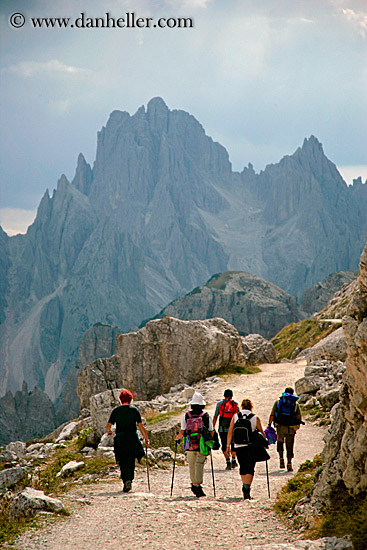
197	399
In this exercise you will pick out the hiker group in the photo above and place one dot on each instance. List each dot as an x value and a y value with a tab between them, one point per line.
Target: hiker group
243	440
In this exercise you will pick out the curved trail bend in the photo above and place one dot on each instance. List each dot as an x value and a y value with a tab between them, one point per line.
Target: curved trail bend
105	518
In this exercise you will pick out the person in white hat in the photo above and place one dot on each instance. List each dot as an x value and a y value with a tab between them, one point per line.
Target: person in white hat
192	425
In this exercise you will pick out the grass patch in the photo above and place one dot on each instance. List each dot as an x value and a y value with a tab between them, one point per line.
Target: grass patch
301	335
237	369
347	515
299	486
315	414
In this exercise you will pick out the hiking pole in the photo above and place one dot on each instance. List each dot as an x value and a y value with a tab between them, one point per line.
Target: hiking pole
146	457
174	464
211	459
267	476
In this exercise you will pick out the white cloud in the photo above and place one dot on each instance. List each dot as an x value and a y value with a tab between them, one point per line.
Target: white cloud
360	18
16	220
34	68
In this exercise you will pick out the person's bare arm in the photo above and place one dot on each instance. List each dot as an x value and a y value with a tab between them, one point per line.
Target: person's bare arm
144	432
215	418
259	426
108	429
230	433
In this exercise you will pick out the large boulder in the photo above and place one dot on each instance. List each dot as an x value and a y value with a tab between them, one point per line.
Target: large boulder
332	348
257	349
164	353
162	433
30	501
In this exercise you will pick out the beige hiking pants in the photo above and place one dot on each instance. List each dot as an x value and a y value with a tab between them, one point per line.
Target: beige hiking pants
196	464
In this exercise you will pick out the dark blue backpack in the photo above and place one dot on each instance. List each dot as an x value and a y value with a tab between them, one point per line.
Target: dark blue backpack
285	412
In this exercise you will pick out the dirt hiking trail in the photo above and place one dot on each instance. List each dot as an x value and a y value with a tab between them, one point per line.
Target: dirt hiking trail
104	518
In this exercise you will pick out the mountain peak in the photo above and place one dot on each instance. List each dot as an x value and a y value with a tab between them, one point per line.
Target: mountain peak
157	104
312	144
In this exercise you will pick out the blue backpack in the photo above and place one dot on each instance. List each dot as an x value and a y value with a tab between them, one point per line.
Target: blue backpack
285	414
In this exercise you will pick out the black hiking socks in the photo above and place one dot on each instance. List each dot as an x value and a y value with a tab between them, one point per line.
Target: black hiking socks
234	463
228	467
246	491
197	490
289	466
281	463
127	486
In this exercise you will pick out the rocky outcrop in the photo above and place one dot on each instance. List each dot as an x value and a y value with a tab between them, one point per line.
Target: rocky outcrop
248	302
331	348
257	349
345	452
321	384
25	415
30	502
317	297
164	353
338	305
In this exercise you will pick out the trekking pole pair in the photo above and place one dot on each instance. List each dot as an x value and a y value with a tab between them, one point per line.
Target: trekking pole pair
174	465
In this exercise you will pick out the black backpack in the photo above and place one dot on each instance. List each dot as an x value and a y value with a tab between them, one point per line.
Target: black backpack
242	431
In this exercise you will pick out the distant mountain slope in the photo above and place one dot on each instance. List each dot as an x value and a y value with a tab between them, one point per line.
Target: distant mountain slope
246	301
317	297
158	214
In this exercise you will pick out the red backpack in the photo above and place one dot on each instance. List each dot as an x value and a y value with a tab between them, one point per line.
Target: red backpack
228	409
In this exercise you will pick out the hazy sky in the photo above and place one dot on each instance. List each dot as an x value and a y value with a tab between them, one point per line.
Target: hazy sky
260	76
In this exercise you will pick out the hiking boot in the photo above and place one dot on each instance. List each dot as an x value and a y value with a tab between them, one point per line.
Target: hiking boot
281	463
127	486
289	467
200	492
229	467
194	489
246	493
234	464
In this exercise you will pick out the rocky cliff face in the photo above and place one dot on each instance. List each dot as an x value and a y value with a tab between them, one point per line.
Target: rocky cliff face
25	415
164	353
345	452
317	297
244	300
158	214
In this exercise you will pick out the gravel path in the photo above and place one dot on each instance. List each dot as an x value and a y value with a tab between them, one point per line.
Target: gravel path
105	518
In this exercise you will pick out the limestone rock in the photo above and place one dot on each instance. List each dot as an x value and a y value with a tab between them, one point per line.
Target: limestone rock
246	301
17	447
11	476
329	398
162	354
257	349
30	501
319	295
308	384
333	348
162	433
71	467
7	456
345	452
68	431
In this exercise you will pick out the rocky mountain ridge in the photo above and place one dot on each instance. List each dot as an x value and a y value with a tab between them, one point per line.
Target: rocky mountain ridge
160	212
246	301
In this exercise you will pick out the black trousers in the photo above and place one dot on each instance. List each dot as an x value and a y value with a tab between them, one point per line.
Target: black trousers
127	467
